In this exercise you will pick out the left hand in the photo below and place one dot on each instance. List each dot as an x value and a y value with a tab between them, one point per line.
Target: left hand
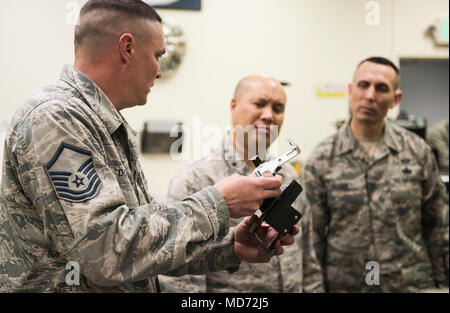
248	249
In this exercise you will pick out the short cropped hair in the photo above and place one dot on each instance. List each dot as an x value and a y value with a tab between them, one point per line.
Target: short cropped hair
381	60
105	24
384	61
134	8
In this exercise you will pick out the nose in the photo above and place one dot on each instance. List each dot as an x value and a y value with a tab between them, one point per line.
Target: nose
267	114
370	93
159	72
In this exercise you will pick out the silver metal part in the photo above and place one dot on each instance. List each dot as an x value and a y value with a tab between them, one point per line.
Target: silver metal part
274	166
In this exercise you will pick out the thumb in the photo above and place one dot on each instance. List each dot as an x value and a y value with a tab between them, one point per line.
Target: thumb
250	220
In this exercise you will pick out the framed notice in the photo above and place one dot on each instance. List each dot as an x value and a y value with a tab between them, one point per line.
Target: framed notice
176	4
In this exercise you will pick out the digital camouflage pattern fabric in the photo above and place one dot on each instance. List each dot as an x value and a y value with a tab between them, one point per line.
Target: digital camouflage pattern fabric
390	208
73	190
282	274
438	139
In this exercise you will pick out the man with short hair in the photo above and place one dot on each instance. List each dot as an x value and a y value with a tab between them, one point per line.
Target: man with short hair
257	113
73	191
379	219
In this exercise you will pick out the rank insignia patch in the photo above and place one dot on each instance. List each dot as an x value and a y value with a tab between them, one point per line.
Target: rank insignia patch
72	174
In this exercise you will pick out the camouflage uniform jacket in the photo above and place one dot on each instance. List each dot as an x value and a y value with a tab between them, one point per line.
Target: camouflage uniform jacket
438	139
73	190
282	274
390	208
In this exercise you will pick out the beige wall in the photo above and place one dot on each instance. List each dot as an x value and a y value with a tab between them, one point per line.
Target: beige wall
304	42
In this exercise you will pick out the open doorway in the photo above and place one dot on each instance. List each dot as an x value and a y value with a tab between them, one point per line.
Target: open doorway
425	86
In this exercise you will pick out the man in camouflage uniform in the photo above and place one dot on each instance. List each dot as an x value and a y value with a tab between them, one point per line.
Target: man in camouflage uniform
375	195
73	191
258	101
437	138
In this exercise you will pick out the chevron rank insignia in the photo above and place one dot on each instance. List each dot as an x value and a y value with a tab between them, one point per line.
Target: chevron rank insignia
72	174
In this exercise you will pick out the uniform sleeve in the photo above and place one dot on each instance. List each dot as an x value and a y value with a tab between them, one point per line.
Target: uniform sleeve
435	220
314	226
438	139
184	184
112	242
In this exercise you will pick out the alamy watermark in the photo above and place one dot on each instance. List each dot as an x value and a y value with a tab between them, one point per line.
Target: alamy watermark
73	13
373	14
373	277
201	141
73	277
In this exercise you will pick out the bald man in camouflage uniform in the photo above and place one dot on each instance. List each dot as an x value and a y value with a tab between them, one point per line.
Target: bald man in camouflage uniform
375	195
73	192
259	101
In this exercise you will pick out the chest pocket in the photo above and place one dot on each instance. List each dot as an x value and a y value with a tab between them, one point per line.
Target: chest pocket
406	187
346	193
406	201
122	168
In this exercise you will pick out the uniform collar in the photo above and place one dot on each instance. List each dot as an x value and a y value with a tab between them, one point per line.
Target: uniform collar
94	97
346	142
390	139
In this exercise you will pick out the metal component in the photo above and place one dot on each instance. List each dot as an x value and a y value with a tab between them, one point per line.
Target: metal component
275	165
256	161
277	212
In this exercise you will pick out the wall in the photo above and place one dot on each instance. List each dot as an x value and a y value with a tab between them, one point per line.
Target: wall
304	42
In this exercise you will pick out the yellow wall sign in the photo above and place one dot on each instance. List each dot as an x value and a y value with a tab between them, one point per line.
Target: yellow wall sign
331	90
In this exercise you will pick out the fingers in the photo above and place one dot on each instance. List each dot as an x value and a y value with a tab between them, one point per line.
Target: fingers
270	182
248	221
294	230
245	209
270	193
267	187
273	241
278	249
287	240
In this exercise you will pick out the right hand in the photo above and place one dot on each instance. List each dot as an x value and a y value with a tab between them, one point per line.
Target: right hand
245	194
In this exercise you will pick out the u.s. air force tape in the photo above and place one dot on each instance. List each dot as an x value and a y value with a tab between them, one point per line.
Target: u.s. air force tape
72	174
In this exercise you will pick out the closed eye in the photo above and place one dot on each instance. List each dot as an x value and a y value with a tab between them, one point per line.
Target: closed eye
382	88
363	84
261	103
278	107
160	54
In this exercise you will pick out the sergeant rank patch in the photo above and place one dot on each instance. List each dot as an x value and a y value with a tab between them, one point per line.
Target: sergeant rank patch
72	174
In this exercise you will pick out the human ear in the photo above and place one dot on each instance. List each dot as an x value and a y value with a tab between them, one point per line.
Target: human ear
397	98
233	105
127	45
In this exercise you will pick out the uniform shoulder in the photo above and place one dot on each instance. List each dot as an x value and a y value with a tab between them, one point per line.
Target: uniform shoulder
201	167
439	130
50	102
411	141
198	174
51	111
324	149
408	136
194	177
